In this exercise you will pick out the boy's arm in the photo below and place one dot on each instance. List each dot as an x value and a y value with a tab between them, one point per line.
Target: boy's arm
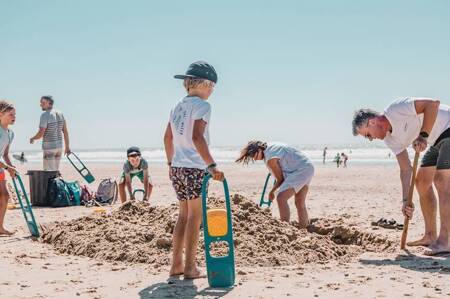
128	184
147	187
201	145
11	169
168	144
66	138
275	168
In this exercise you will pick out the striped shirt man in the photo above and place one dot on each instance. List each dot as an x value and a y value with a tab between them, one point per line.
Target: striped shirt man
52	143
53	122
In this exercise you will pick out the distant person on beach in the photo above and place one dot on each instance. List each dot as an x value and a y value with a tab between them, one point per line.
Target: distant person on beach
52	127
324	154
292	170
186	142
21	158
7	118
344	159
135	166
420	122
337	159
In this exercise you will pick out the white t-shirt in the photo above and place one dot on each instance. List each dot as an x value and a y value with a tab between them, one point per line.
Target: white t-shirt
406	124
6	138
290	159
182	119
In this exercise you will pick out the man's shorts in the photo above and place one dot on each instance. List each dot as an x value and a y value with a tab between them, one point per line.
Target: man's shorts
187	182
52	158
438	155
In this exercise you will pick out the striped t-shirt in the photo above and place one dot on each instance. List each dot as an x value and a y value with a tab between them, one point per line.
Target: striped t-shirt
53	122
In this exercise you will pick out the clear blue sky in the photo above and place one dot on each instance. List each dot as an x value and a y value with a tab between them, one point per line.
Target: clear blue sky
288	70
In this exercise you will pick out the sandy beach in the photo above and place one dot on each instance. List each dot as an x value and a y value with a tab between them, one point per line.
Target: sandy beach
357	196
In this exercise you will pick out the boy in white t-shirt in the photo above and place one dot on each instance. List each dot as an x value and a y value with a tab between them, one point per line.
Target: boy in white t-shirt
186	142
420	122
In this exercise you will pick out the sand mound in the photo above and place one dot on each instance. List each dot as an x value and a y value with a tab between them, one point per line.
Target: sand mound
140	234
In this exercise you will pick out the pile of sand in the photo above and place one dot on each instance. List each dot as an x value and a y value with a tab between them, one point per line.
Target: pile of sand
140	234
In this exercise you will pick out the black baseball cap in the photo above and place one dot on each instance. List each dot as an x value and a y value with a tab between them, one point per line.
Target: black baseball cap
134	150
201	70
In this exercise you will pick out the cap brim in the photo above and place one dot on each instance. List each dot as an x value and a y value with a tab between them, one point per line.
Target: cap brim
184	76
133	153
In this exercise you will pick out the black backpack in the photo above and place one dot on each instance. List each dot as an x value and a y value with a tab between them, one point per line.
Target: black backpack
58	194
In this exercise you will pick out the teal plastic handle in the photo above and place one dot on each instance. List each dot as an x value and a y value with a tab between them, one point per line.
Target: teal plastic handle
221	270
84	172
138	191
26	209
263	201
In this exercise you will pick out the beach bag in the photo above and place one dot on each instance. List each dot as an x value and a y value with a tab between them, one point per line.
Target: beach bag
57	193
86	195
107	192
74	193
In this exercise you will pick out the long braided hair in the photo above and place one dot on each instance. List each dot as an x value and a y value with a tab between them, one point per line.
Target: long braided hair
249	152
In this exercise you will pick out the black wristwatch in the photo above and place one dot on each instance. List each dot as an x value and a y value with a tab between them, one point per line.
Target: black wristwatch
424	134
211	166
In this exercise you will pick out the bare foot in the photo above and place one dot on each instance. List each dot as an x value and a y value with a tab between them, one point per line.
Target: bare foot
176	270
437	248
194	274
424	241
6	232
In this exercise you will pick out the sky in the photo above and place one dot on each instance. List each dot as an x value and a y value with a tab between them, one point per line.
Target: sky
292	71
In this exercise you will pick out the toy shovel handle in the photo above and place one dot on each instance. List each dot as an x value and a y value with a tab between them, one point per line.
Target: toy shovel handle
409	201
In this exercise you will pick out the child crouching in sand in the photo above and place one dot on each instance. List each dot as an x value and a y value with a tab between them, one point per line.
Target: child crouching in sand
7	118
135	166
292	170
186	143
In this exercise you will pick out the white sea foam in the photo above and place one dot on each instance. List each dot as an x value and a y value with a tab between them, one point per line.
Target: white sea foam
377	154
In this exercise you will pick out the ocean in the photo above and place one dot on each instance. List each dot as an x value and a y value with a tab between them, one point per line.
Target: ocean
357	154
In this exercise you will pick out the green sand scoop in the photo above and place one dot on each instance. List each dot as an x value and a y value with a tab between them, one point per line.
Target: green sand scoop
264	201
218	227
26	208
80	167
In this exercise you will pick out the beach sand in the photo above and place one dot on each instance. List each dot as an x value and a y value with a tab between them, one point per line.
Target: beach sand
357	195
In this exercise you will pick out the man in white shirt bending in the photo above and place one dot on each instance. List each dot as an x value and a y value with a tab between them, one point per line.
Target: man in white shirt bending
420	122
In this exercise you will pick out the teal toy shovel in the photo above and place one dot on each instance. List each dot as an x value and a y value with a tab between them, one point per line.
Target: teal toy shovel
218	227
264	201
26	208
138	191
80	168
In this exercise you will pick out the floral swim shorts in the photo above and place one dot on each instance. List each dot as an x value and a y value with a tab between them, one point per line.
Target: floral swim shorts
187	182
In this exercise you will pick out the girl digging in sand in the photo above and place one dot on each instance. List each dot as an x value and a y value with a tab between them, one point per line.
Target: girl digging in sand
292	170
186	143
7	118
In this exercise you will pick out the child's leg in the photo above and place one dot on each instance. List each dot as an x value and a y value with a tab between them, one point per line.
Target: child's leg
4	197
194	219
300	203
178	240
282	198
